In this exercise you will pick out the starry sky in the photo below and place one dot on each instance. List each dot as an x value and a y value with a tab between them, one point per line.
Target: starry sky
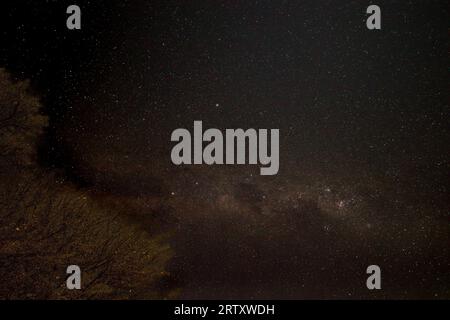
363	118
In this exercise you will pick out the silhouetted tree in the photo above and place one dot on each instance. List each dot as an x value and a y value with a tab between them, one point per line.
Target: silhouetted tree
47	224
21	122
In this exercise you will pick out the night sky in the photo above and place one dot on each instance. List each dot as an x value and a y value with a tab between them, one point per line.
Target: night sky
364	135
